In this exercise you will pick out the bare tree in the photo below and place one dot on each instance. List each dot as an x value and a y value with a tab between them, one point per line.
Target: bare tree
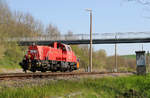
53	31
26	25
5	18
69	35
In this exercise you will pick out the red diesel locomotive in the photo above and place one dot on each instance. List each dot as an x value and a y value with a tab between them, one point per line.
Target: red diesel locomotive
55	57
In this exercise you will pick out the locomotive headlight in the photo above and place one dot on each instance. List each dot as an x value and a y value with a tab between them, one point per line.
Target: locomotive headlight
29	56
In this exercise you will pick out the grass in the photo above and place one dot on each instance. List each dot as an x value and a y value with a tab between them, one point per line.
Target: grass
122	87
7	63
129	56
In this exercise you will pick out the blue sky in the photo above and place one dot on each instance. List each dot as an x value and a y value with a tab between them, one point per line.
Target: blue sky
108	16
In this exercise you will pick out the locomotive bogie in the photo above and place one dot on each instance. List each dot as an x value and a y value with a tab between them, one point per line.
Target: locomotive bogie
44	66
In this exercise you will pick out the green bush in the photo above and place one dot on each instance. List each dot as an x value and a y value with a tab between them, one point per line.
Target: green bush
12	56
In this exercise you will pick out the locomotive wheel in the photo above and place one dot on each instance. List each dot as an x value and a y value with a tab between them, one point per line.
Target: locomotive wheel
33	70
43	70
70	70
63	70
24	70
53	70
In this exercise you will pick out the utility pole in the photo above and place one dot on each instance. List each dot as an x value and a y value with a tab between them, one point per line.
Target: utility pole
148	61
116	66
90	53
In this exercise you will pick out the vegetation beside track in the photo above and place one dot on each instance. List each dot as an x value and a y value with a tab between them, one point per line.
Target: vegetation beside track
133	56
12	55
108	87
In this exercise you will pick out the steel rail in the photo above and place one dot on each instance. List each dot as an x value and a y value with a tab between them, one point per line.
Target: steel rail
12	76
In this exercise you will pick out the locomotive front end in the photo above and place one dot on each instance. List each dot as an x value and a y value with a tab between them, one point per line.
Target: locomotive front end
30	60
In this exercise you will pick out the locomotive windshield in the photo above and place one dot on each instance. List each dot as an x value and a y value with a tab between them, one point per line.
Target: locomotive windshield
69	48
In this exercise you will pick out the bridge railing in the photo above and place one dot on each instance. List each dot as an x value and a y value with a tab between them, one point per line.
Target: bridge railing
129	35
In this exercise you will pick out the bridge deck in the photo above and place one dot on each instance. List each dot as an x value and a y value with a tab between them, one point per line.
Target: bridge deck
87	41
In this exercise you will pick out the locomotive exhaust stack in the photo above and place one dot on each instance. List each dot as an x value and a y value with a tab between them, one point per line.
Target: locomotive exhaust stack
55	57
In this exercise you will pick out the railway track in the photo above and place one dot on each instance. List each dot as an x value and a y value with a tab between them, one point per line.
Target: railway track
12	76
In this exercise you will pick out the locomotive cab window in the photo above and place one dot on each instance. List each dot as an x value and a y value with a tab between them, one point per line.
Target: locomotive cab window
58	46
69	48
64	48
51	45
